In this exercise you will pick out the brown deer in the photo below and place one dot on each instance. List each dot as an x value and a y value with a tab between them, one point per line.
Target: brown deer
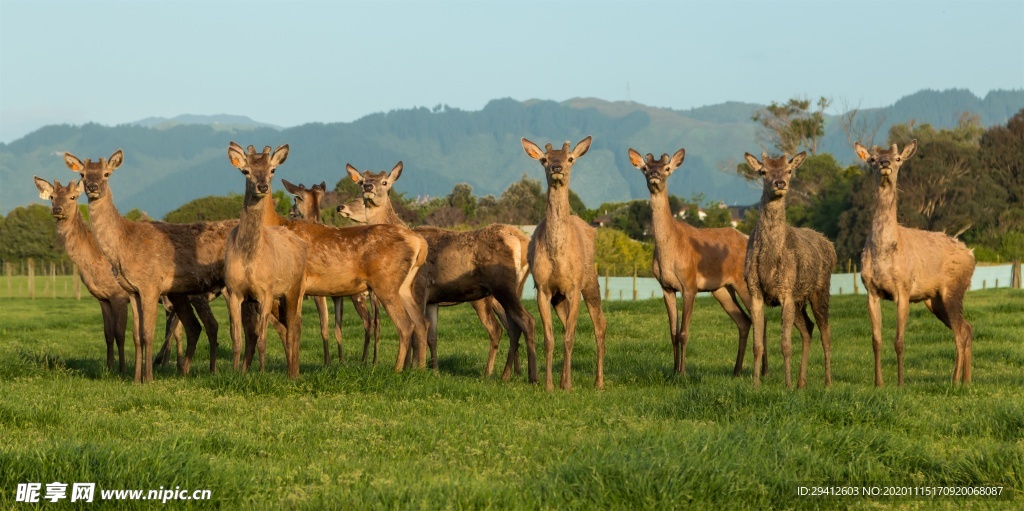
486	267
383	259
264	264
787	266
354	210
561	257
688	260
307	206
910	265
153	259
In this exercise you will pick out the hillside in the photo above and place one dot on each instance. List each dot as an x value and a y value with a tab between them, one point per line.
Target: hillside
171	161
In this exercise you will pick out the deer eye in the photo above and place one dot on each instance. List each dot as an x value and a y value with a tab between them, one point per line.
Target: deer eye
570	159
106	174
544	161
272	171
871	159
383	183
899	159
245	171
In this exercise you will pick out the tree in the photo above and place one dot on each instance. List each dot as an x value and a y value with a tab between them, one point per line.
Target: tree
789	126
30	231
860	126
462	198
618	254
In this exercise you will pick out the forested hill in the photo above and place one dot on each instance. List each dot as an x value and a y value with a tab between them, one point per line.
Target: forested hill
174	162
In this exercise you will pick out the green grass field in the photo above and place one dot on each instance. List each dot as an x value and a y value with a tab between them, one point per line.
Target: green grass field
354	437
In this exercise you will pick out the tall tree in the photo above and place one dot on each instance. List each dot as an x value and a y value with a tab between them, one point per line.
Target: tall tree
789	126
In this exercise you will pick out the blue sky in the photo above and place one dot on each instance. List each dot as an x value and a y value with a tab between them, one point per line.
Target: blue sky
289	63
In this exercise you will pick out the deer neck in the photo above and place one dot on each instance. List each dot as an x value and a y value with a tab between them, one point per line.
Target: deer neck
109	228
664	227
771	224
382	214
883	223
556	219
78	242
250	224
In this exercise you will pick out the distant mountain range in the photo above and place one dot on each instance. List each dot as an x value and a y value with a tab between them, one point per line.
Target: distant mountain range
169	162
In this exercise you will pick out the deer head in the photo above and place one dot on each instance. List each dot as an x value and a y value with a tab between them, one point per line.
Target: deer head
354	210
63	199
94	174
656	171
776	172
307	200
557	162
375	186
885	163
258	168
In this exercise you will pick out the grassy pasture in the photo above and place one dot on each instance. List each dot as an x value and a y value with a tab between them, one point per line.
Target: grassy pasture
349	436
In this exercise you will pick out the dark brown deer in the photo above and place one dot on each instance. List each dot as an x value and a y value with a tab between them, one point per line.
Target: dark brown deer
153	259
910	265
486	267
263	264
307	206
350	260
789	267
688	260
561	257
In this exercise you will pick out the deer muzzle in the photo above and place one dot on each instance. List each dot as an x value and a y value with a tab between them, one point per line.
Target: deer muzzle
57	212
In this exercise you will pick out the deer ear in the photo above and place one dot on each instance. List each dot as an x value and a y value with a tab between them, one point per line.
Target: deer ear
532	150
80	186
635	159
862	152
797	160
909	150
292	189
74	163
677	159
280	155
45	188
396	172
582	147
752	162
115	160
237	156
353	173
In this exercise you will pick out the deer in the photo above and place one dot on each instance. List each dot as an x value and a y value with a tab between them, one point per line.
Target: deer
688	260
346	261
561	255
152	259
907	265
789	267
264	264
307	206
486	267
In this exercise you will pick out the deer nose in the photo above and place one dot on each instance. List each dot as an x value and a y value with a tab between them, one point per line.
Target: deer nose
367	187
92	187
883	163
57	210
262	187
779	184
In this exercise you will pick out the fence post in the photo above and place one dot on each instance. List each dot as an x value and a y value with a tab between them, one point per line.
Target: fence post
634	282
1015	275
607	291
9	269
855	273
31	278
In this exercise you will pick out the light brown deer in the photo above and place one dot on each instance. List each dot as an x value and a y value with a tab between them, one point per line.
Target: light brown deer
486	267
350	260
153	259
264	264
354	210
688	260
561	257
789	267
910	265
307	206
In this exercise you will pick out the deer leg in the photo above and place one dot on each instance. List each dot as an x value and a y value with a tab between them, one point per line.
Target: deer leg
119	308
820	306
108	332
673	326
250	328
291	310
148	303
902	313
801	319
432	333
376	325
519	322
136	308
265	305
788	317
760	325
875	315
544	308
183	309
592	297
727	298
325	322
490	323
339	315
689	294
235	317
201	304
